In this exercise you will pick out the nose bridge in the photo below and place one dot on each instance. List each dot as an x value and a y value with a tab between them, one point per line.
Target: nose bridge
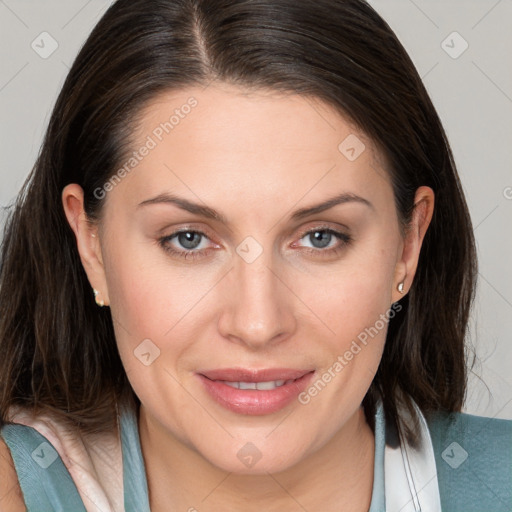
259	306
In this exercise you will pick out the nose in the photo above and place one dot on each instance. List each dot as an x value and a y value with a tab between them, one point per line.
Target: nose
257	305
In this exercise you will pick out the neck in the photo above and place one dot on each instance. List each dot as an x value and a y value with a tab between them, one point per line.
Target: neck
340	472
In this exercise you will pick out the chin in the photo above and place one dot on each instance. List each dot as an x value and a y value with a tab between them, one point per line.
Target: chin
262	467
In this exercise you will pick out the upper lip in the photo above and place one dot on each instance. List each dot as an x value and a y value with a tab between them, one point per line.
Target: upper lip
254	375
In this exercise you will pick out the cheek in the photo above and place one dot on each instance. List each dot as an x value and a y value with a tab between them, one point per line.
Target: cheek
148	293
359	319
352	295
159	310
356	305
357	308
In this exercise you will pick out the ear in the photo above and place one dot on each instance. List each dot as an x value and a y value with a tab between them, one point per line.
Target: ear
420	220
87	239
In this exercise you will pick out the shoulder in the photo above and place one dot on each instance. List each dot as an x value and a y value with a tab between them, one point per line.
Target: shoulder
41	477
474	461
11	498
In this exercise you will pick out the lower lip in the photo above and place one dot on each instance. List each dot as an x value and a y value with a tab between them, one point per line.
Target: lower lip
254	401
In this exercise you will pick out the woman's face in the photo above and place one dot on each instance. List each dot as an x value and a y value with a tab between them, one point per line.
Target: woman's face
268	288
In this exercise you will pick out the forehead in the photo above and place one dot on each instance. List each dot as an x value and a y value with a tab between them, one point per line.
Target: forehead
224	142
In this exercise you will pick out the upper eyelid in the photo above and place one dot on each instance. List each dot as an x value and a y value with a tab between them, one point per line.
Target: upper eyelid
322	227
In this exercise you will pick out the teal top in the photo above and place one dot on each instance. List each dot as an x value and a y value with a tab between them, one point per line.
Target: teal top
473	460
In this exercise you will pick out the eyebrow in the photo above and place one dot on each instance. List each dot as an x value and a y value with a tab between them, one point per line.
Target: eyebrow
210	213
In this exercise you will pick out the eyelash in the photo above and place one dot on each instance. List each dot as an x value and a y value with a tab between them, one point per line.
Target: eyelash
194	254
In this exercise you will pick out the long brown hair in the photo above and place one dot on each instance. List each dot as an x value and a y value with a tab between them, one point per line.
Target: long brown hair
58	350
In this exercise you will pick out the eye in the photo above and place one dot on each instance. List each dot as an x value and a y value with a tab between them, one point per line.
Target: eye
189	240
325	241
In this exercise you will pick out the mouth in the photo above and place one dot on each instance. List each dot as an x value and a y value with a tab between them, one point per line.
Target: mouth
255	392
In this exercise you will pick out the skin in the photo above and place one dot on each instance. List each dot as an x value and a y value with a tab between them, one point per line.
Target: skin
11	497
255	157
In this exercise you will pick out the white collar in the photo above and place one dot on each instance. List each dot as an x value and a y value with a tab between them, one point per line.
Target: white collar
410	475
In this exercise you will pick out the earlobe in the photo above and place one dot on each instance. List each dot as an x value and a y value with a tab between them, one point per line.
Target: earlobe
97	298
87	240
400	280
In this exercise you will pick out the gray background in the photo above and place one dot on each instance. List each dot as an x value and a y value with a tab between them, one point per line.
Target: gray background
472	92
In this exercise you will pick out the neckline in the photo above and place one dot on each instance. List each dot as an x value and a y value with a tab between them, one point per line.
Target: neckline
136	495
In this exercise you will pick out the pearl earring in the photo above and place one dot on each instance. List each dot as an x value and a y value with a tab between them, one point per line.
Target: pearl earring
400	287
99	302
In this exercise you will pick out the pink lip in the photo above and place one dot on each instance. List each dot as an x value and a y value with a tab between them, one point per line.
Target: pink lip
255	401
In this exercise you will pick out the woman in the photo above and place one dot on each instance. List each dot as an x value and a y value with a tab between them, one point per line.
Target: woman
240	275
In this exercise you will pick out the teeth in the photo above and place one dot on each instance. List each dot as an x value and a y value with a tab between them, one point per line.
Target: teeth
262	386
269	385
